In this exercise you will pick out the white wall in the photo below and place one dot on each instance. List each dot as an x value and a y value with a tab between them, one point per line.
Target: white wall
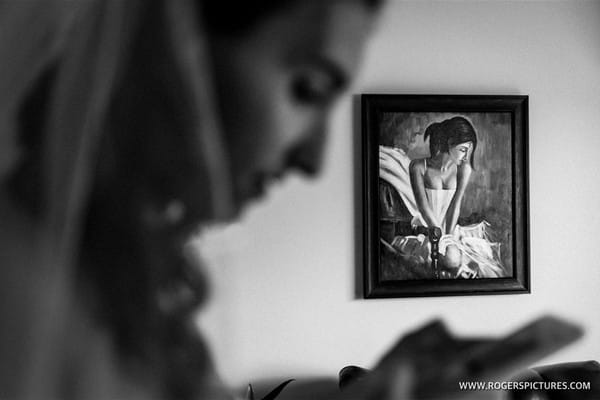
284	299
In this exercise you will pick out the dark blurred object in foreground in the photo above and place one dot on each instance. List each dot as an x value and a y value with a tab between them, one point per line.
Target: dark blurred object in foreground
435	361
585	372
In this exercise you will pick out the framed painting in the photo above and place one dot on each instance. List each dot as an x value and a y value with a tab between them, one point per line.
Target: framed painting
445	195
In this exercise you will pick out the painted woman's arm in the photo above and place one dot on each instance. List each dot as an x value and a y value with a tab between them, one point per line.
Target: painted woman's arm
417	182
463	175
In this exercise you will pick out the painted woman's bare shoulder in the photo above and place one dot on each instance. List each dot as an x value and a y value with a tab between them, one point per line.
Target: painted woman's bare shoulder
463	174
465	169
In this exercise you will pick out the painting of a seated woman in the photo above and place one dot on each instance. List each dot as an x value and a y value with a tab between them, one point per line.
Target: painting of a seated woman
443	195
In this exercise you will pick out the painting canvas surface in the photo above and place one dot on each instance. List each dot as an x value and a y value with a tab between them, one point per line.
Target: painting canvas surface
485	209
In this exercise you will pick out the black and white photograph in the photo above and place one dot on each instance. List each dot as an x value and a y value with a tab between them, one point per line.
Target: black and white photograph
299	200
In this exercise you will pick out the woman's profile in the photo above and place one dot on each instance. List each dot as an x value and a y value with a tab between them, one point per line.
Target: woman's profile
438	184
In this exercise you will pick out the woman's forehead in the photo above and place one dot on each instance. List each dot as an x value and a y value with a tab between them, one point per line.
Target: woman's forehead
334	31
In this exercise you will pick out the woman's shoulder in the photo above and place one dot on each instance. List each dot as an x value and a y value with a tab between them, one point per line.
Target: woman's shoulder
464	169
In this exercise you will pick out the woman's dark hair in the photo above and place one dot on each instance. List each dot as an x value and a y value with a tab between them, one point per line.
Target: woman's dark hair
231	18
449	133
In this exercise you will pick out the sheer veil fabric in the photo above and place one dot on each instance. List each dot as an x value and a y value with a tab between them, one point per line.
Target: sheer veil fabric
88	44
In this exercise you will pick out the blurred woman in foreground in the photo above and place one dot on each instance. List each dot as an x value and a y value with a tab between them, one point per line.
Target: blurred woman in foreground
126	125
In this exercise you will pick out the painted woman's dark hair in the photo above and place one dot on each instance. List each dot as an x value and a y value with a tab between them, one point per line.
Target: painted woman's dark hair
449	133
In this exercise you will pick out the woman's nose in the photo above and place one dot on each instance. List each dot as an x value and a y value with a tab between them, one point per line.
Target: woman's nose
307	155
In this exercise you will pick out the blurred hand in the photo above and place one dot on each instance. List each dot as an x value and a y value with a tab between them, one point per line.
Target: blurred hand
429	363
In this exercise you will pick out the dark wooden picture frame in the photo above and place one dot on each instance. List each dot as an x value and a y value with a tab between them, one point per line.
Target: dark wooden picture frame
404	258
